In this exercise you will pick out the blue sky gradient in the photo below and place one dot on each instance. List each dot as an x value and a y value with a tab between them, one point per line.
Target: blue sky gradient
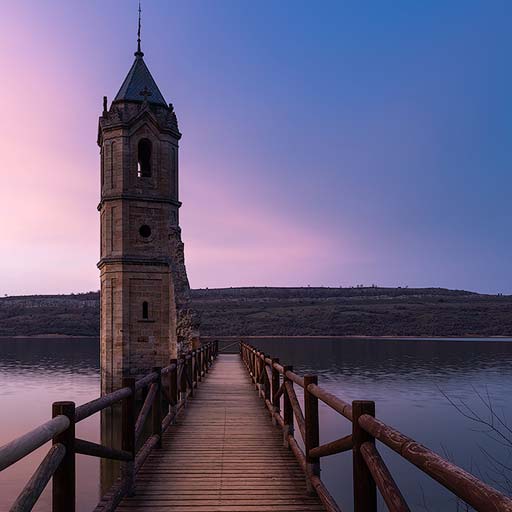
324	143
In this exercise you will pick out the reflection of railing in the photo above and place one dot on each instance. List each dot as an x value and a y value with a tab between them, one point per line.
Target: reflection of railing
170	386
275	381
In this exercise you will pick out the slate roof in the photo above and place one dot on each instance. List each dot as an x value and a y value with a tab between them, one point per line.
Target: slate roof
139	79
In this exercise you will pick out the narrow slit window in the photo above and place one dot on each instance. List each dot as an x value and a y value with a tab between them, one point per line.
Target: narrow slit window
144	158
112	149
102	165
145	310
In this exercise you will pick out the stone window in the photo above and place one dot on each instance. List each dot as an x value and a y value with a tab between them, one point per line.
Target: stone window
144	158
145	231
102	165
112	152
145	310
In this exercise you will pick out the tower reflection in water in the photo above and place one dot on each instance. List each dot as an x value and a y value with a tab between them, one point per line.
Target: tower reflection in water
110	436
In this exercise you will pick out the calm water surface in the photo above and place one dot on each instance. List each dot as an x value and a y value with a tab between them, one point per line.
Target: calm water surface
406	379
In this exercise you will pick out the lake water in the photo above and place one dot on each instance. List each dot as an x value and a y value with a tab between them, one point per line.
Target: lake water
408	380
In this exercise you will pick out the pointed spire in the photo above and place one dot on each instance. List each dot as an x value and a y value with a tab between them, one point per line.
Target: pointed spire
139	52
139	85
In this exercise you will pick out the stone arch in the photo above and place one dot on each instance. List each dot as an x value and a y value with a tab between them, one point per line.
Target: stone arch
144	158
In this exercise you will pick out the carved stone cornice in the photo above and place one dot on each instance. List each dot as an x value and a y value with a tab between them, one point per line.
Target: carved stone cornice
124	114
133	197
133	260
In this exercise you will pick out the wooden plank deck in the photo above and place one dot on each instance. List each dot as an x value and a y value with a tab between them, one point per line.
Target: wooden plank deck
223	455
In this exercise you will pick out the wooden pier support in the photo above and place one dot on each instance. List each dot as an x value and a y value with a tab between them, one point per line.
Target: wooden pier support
64	478
365	490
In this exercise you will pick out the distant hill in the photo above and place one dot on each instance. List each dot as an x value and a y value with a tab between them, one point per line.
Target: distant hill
287	312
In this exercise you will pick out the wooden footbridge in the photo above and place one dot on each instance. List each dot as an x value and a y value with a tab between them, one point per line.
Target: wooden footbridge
229	433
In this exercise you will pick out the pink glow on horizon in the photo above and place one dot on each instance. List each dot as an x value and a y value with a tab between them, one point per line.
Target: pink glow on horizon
232	243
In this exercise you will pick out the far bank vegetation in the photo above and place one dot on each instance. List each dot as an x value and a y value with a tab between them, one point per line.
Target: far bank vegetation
360	311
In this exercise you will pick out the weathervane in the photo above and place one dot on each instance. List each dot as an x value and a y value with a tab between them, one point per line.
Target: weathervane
138	52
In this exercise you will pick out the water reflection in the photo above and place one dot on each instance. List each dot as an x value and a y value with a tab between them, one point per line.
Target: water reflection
405	378
111	428
33	374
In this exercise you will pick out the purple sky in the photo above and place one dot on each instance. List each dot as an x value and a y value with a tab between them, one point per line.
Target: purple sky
331	143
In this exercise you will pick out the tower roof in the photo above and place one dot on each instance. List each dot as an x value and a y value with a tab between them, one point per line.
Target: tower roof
139	84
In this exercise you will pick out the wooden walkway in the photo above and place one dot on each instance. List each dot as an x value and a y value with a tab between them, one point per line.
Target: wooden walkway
223	455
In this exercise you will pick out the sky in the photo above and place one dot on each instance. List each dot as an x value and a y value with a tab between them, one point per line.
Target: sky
324	143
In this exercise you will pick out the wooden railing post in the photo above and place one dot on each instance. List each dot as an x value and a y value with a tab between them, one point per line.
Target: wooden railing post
365	492
194	368
188	361
287	410
255	366
64	479
173	388
207	366
200	364
312	440
216	348
128	435
183	380
156	409
261	369
275	389
267	384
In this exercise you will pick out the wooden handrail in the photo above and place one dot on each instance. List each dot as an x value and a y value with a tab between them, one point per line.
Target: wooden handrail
35	486
297	411
385	482
473	491
59	462
146	381
98	404
24	445
370	471
344	444
85	447
344	408
146	407
295	378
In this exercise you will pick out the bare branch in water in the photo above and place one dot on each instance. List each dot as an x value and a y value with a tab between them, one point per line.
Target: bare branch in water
493	424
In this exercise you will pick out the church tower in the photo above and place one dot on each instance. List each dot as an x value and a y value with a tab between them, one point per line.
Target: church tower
145	313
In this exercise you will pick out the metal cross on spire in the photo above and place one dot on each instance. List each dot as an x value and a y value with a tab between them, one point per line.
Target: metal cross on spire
146	92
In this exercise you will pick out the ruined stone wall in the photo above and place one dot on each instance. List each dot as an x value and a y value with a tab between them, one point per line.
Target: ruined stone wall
187	319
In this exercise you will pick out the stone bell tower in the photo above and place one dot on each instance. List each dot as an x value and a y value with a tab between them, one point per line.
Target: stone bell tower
145	312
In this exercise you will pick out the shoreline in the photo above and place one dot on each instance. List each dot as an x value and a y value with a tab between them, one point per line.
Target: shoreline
311	337
48	337
360	337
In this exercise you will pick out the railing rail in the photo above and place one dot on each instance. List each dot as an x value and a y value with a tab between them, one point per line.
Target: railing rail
370	472
171	386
